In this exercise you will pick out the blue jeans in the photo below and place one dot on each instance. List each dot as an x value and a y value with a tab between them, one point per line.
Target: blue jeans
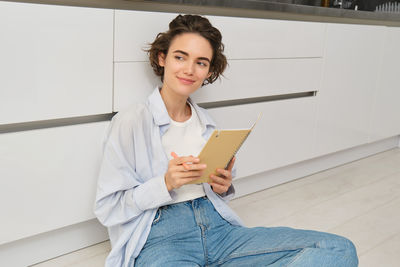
192	233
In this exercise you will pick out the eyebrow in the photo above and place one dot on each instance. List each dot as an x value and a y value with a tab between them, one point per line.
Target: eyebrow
186	54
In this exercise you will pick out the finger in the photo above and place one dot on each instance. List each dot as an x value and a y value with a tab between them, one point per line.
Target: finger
190	167
181	160
225	173
219	180
217	188
188	174
175	156
197	166
179	168
231	163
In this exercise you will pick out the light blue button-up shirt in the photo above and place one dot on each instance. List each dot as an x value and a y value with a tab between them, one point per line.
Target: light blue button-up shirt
131	183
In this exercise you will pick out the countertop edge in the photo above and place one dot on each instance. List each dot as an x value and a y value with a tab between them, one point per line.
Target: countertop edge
297	13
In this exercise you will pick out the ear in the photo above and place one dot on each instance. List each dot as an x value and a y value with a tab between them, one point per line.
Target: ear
209	74
161	59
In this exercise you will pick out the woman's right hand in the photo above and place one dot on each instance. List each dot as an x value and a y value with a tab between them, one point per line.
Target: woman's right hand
180	172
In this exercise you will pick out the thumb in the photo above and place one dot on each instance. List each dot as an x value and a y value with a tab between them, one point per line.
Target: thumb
231	163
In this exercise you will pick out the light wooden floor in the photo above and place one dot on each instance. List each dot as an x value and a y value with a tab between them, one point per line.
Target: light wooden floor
359	200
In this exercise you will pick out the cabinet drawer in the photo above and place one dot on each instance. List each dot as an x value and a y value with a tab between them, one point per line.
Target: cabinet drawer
244	38
134	30
134	81
49	178
284	134
268	38
263	77
56	61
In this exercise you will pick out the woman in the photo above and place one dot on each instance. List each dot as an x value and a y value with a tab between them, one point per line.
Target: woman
154	217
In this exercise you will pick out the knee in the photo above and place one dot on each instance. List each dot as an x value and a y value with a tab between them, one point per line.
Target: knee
350	250
344	248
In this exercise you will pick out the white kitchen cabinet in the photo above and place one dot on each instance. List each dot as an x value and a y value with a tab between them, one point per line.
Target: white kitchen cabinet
351	63
134	30
48	178
244	38
385	121
263	77
56	61
267	38
283	135
134	81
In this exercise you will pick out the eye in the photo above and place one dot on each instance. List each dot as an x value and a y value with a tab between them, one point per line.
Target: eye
202	64
179	57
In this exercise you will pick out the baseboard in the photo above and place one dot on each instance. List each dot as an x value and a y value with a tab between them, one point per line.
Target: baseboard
42	247
261	181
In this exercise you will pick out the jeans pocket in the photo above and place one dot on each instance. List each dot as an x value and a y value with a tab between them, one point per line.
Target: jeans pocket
157	217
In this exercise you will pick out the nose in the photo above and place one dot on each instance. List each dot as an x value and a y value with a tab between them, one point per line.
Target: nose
189	68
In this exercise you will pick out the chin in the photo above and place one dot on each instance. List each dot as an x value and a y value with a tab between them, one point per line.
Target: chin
186	90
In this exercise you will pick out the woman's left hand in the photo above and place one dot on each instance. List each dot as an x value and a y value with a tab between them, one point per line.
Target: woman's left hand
221	183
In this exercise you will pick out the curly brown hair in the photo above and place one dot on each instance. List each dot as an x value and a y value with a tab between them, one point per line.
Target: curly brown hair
189	24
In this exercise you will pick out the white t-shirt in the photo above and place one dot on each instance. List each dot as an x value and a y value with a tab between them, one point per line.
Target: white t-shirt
185	139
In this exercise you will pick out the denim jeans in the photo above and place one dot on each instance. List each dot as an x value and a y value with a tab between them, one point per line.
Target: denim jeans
192	233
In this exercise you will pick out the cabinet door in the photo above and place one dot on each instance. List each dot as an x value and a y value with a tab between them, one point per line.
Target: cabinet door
134	81
386	111
56	61
134	30
266	39
262	77
48	178
349	77
283	135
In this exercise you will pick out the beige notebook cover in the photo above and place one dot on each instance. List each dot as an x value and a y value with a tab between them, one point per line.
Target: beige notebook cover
220	149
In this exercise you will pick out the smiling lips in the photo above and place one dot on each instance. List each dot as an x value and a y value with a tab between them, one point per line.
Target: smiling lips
185	81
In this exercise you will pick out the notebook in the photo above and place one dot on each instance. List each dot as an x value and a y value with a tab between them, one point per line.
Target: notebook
219	150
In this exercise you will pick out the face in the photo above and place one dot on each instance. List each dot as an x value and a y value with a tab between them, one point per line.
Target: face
186	64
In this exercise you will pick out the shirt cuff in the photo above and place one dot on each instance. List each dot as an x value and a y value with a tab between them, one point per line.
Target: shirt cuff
152	194
228	195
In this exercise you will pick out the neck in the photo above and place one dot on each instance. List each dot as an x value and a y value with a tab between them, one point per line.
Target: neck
176	105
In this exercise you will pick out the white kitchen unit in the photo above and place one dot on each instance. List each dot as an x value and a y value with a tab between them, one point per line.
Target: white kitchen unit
262	77
56	61
134	81
285	131
64	62
276	57
351	64
48	178
267	38
134	30
385	121
282	136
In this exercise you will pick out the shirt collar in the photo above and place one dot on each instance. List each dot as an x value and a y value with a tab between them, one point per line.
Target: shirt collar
160	113
157	108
